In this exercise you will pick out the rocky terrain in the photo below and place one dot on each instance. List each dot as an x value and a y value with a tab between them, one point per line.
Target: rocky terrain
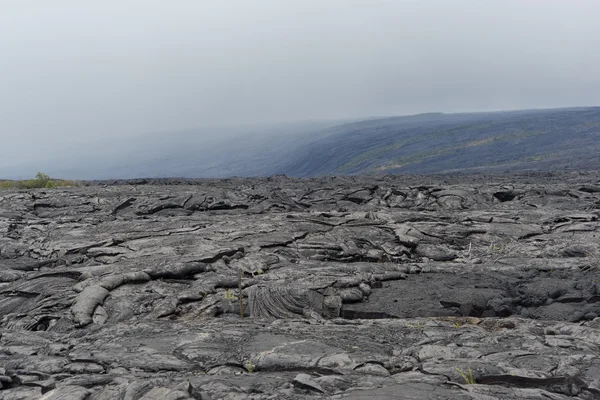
392	287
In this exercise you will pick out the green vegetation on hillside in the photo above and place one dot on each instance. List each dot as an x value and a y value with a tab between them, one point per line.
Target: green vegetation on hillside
41	180
508	141
381	152
418	157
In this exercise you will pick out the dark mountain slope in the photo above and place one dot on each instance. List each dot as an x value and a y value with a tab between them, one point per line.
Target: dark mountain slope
433	143
425	143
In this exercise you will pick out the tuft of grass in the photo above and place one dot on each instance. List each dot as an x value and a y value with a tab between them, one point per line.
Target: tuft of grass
497	248
418	325
249	365
229	295
469	380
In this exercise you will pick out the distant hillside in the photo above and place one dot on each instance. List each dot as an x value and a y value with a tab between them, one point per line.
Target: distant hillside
434	143
419	144
216	152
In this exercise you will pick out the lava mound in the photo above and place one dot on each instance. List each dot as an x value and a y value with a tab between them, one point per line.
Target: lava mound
392	287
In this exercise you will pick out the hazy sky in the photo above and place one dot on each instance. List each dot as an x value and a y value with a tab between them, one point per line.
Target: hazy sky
73	72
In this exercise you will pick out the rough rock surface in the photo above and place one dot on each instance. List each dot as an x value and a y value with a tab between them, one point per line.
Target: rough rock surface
396	287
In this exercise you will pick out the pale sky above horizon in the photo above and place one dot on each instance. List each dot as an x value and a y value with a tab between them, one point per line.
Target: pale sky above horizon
75	72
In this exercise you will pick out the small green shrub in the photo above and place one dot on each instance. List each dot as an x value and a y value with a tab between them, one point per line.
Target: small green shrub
469	380
249	366
43	180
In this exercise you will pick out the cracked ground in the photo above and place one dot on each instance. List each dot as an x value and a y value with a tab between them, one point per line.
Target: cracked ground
395	287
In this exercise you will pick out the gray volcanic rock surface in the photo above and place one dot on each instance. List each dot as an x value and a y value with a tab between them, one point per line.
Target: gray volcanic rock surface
393	287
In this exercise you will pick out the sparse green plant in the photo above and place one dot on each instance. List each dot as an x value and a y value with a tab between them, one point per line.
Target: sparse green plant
41	181
502	249
259	272
469	380
416	326
249	365
229	295
456	325
496	247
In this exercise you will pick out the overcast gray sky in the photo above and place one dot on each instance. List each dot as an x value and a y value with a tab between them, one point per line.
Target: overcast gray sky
74	71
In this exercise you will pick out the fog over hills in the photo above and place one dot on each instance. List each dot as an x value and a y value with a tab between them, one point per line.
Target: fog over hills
204	152
554	139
